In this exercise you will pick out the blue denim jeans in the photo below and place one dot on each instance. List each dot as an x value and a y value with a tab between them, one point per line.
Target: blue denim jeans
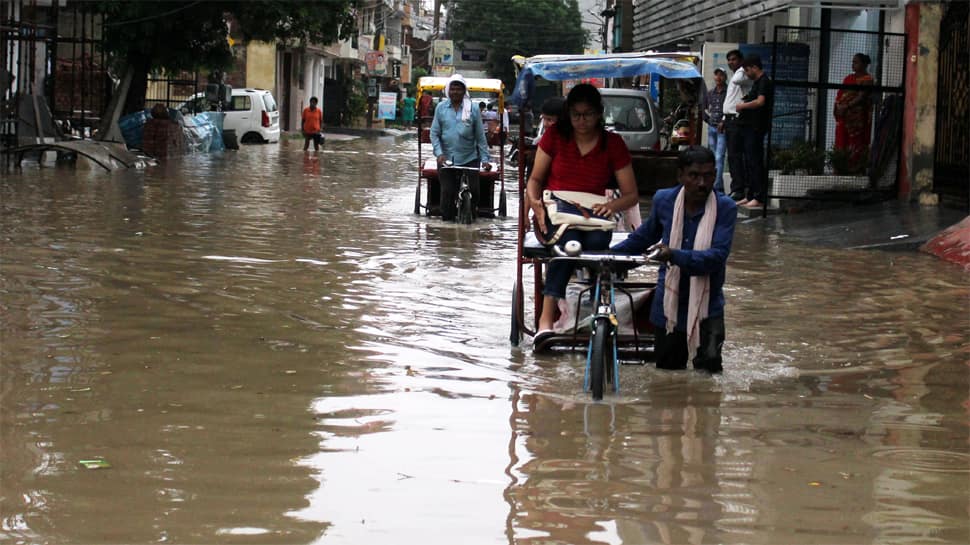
718	143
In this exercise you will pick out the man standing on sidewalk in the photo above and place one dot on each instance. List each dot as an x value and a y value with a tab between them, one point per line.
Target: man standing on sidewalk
737	87
754	117
714	116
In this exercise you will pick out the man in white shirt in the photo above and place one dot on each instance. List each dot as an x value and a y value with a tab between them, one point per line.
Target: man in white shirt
738	86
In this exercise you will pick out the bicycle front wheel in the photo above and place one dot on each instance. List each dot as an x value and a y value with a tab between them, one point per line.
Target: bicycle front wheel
600	356
465	207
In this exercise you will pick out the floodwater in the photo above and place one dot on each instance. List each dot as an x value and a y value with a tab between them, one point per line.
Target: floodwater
267	346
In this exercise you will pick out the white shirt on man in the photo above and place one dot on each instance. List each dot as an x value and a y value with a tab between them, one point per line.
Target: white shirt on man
736	89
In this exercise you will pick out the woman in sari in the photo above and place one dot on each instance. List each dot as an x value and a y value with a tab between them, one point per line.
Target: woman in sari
853	115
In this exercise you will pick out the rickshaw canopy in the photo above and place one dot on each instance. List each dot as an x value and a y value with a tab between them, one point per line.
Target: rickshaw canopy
614	65
480	85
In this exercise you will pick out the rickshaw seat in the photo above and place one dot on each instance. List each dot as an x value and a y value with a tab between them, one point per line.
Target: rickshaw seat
532	248
430	170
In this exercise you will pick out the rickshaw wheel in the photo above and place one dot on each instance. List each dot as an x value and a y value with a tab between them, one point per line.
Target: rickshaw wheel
598	356
417	199
515	331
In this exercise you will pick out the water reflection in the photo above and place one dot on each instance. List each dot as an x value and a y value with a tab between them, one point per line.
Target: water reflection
269	346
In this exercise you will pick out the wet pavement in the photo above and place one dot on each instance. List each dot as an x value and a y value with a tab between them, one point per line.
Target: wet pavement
268	347
893	225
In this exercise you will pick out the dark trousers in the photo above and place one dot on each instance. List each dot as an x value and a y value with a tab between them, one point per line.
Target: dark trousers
671	348
754	162
448	179
735	150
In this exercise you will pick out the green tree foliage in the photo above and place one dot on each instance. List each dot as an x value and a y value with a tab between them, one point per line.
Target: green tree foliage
516	27
192	35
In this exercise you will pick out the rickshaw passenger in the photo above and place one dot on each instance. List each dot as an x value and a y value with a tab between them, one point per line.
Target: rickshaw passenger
457	136
578	154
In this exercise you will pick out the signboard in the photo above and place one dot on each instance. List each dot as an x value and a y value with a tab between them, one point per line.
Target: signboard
567	85
387	106
443	52
376	63
372	87
443	70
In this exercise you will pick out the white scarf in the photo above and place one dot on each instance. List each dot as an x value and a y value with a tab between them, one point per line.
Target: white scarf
466	103
700	286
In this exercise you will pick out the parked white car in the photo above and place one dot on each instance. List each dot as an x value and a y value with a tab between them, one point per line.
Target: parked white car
252	113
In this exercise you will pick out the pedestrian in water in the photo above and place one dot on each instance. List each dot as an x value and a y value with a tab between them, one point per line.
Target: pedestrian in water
408	111
312	125
692	227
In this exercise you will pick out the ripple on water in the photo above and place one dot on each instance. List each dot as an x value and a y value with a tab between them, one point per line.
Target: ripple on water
920	459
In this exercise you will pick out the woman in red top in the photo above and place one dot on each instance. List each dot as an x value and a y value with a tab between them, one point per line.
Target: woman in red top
578	154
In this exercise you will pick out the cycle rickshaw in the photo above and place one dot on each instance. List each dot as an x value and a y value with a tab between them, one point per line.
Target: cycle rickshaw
480	89
606	329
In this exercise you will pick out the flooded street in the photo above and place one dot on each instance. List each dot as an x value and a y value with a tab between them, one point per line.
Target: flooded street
269	347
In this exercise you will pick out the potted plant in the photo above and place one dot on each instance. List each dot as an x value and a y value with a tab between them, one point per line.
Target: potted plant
801	158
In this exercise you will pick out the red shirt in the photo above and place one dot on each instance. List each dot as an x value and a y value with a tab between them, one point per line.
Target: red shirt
591	173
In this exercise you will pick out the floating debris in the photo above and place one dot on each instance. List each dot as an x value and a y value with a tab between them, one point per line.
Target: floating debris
96	463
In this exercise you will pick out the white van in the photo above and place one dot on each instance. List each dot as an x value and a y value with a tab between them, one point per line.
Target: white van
632	114
252	113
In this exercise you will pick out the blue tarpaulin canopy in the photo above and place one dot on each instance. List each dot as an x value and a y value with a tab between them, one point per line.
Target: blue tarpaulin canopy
617	65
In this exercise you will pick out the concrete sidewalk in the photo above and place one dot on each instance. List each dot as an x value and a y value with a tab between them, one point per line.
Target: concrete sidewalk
892	225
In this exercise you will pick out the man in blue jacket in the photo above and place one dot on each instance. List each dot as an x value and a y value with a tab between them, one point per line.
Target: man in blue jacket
691	228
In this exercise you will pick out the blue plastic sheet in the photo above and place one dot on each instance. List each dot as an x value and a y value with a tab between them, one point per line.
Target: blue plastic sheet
198	131
216	120
133	127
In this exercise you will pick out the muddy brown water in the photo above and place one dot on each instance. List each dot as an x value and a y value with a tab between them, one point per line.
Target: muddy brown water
268	347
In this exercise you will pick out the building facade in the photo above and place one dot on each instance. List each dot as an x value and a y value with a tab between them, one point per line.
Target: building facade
902	37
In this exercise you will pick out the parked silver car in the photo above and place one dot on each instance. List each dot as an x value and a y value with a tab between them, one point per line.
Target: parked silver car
632	114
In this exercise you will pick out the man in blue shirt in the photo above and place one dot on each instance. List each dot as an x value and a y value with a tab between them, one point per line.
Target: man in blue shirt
457	136
686	327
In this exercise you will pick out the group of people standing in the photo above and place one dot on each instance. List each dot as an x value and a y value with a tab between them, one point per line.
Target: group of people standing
738	114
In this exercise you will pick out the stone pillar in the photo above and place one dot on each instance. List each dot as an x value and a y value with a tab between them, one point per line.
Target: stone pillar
919	114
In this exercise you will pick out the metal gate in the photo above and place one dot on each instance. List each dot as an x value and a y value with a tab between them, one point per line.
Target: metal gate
814	154
53	69
951	158
172	90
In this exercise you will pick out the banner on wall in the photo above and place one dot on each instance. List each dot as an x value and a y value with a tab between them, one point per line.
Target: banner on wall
376	63
387	106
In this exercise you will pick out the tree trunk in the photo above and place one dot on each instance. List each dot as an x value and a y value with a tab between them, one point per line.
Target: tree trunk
135	100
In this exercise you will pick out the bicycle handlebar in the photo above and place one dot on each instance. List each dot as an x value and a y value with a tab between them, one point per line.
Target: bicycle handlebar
448	164
605	260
